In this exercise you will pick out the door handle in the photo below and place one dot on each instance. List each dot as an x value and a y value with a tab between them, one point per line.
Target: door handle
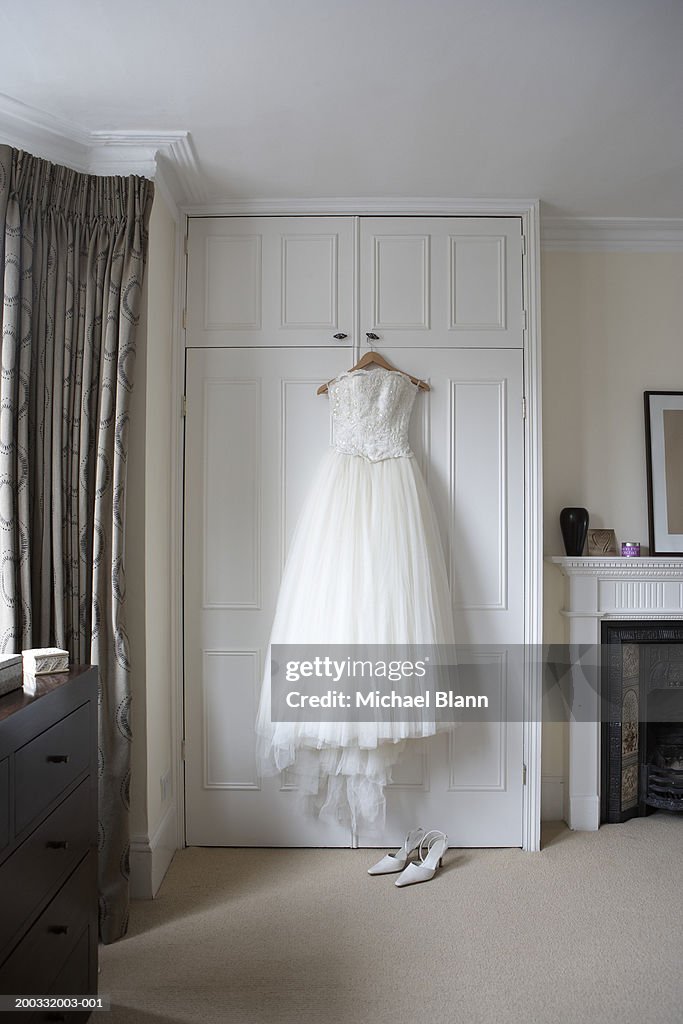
371	337
340	336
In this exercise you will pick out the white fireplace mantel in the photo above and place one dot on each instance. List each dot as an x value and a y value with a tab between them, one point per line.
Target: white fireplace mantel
598	589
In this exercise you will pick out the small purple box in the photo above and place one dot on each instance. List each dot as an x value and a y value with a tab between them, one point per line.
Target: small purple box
630	549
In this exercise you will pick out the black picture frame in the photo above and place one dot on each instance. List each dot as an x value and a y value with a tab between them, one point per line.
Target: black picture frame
656	473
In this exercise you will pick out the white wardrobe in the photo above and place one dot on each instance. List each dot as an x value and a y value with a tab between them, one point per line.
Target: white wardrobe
275	306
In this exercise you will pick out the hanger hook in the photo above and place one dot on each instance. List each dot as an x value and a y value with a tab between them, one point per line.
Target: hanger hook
371	337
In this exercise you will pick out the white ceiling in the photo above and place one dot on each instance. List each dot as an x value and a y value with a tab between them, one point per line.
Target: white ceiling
576	102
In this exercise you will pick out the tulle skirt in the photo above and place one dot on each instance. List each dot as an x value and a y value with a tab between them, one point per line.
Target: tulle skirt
365	566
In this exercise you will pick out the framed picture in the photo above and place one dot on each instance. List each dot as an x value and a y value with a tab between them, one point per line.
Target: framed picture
664	453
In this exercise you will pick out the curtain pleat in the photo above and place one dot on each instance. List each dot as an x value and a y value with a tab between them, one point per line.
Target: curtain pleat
73	249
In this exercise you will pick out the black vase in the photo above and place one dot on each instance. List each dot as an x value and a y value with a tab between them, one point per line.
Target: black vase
574	526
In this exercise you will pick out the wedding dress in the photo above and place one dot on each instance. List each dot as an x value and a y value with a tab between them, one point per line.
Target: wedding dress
365	566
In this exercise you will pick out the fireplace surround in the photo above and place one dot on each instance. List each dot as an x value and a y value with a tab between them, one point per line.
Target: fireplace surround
599	592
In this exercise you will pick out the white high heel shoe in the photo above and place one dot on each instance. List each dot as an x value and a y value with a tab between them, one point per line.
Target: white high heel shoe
397	861
431	850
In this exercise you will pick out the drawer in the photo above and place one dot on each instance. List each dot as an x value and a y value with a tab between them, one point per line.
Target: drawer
49	854
36	962
73	979
45	766
4	804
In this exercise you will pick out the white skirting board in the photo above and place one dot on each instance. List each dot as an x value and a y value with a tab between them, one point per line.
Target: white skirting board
150	858
552	798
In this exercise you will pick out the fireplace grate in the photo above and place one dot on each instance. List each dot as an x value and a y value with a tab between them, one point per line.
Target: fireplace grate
662	787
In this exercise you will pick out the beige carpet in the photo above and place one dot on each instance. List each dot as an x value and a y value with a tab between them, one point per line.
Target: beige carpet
590	929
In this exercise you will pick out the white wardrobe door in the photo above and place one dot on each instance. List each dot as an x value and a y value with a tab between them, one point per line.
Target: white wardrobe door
255	431
276	281
469	433
448	282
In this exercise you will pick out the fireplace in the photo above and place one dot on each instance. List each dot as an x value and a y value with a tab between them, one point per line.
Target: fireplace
642	728
630	592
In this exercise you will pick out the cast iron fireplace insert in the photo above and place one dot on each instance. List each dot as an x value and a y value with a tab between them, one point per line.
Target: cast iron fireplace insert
642	727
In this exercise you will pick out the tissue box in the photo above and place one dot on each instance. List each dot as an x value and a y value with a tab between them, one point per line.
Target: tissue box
11	673
41	660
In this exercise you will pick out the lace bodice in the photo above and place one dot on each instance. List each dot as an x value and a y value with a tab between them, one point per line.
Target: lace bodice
371	413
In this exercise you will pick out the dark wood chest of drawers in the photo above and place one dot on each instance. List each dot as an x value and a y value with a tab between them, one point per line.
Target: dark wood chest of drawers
48	842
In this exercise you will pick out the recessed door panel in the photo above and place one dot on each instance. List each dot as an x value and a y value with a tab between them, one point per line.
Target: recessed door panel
234	282
401	282
309	280
232	493
477	283
478	532
230	681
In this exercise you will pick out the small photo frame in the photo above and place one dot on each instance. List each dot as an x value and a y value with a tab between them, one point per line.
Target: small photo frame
602	543
664	456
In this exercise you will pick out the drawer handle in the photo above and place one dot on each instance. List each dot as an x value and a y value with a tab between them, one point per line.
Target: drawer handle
58	929
57	844
58	758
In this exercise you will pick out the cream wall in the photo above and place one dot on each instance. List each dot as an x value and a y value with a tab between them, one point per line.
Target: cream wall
612	327
158	508
148	544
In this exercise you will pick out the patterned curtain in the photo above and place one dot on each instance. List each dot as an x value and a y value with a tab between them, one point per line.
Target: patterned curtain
73	249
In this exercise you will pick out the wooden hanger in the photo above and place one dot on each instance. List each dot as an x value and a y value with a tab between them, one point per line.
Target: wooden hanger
374	357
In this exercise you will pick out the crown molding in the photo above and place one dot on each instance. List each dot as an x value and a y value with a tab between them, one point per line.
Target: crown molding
27	128
480	206
106	152
612	234
606	234
170	159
